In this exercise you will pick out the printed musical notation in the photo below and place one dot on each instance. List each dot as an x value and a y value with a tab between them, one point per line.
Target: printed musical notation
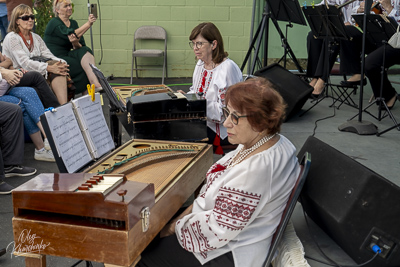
93	124
68	138
80	132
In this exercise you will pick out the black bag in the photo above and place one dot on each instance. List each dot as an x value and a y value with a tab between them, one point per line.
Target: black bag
40	59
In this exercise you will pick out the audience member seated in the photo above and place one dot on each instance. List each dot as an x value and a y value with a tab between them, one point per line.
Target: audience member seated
28	51
233	219
32	109
65	39
30	79
213	74
11	147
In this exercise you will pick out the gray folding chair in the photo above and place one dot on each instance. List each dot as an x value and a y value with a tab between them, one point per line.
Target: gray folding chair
149	33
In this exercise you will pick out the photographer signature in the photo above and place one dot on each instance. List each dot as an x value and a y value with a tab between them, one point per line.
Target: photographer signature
28	243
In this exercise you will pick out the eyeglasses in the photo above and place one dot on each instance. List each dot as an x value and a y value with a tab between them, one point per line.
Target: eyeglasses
234	117
197	44
27	17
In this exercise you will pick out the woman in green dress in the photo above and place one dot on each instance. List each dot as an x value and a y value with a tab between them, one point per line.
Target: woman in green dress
65	40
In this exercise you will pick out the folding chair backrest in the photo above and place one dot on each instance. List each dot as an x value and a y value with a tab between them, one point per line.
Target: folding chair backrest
151	32
287	213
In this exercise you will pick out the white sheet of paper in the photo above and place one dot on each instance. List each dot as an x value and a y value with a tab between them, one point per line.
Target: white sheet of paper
68	138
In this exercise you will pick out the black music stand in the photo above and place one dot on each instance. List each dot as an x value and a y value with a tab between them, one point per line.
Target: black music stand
326	23
284	10
117	108
290	11
379	29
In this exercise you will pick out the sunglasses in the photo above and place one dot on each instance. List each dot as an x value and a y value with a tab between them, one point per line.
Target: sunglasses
234	117
27	17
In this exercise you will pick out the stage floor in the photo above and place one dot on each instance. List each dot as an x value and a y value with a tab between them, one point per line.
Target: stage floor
379	154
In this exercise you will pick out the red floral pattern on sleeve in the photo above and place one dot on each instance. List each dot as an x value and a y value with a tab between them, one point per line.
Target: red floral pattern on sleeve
234	208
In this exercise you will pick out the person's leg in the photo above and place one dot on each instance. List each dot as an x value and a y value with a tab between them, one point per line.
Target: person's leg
314	49
167	252
36	80
12	131
86	59
59	86
4	188
373	70
32	110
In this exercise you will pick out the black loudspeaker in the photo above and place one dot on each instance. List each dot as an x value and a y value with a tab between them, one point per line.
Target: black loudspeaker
355	206
294	90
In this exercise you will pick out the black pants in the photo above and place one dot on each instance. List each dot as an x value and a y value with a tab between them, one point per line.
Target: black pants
11	136
167	252
319	64
373	69
37	81
350	51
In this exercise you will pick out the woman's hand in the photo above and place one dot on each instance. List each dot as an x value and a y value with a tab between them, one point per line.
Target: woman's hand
74	40
387	5
58	68
91	19
11	76
169	229
361	8
182	92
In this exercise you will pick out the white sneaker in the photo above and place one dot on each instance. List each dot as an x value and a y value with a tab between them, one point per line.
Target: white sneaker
46	144
44	155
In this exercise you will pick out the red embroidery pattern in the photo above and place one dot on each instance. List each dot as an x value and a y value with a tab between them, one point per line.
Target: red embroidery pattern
205	83
192	239
212	174
234	208
222	92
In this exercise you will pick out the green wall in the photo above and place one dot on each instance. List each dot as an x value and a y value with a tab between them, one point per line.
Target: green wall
120	18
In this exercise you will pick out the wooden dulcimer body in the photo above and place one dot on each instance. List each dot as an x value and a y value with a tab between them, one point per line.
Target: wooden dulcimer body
111	224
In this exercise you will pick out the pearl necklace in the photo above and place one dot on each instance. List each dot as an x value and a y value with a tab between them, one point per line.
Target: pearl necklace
243	153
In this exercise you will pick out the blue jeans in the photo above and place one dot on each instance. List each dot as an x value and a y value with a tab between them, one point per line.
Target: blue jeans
28	100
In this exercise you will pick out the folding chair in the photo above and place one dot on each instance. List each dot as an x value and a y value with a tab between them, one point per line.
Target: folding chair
287	213
149	33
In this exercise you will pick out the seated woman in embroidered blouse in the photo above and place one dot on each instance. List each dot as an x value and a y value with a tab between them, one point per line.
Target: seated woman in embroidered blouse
65	39
233	219
213	74
21	44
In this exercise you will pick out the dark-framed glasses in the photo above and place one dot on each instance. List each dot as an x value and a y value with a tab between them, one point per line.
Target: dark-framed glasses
234	117
197	44
27	17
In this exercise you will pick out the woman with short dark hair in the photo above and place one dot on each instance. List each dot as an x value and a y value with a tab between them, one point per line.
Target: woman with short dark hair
233	219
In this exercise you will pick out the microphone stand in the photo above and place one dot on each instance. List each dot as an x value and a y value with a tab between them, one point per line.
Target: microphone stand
91	35
361	127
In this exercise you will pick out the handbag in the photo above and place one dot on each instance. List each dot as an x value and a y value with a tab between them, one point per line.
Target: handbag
394	41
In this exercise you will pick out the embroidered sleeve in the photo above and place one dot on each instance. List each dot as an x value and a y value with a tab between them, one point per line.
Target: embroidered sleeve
228	74
232	212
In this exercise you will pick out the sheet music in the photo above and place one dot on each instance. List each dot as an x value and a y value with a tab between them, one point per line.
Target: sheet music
68	138
94	126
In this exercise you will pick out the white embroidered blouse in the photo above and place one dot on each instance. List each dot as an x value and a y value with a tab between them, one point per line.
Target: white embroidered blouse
15	49
239	208
213	84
